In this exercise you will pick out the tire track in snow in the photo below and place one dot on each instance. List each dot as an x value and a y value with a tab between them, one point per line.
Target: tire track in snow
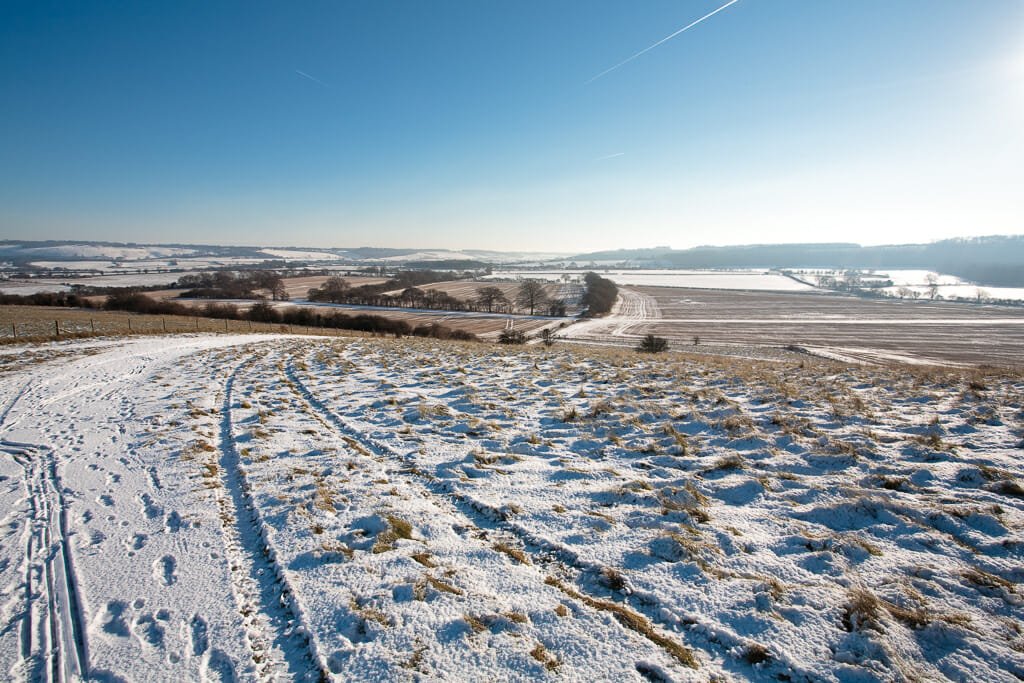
632	310
279	644
14	400
52	635
562	560
486	518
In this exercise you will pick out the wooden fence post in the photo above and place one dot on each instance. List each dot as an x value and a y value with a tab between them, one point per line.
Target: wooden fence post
163	321
56	326
92	324
14	329
129	324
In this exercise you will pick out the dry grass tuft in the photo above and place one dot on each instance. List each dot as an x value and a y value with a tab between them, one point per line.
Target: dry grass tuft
516	554
631	620
541	654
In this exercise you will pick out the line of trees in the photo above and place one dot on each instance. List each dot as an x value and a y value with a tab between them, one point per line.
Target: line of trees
265	312
531	297
225	284
61	299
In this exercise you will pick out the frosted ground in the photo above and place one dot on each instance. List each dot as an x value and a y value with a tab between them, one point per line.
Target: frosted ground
752	279
268	508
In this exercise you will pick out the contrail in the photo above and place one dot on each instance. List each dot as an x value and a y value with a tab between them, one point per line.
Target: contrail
663	40
317	80
610	156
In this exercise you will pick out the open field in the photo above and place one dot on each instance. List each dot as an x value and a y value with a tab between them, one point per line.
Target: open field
232	507
739	279
835	325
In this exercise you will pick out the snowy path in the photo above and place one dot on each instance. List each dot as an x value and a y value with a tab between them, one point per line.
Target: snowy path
243	508
110	578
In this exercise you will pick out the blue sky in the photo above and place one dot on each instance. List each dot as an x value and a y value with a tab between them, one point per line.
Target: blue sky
472	124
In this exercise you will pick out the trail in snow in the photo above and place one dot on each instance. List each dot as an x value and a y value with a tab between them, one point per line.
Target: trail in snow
272	508
280	647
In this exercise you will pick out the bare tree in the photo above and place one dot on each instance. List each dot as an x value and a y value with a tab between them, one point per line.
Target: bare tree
490	297
411	296
333	289
531	295
933	285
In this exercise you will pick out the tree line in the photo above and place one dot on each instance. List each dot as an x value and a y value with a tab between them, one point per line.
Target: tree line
531	297
225	284
264	312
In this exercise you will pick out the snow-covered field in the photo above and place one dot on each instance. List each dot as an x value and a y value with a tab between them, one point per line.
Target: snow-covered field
274	508
25	287
948	286
697	279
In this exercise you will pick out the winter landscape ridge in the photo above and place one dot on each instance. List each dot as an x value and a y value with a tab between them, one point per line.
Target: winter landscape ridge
668	341
266	507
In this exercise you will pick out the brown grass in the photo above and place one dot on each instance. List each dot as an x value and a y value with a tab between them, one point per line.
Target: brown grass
631	620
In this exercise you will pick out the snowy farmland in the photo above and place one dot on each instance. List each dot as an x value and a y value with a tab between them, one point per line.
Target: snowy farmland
236	507
739	279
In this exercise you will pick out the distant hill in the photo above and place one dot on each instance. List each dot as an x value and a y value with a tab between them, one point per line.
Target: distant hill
996	261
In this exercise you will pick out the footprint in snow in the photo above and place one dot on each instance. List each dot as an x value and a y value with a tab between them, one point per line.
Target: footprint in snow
151	509
200	639
106	500
173	523
166	570
113	618
219	668
148	631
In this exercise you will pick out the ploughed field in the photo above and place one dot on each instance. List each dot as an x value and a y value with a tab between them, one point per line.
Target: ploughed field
843	327
237	507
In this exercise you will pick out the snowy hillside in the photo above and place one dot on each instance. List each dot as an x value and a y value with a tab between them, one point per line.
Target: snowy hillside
284	508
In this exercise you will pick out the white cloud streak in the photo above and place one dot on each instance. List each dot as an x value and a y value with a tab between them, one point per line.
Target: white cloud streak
610	156
317	80
663	40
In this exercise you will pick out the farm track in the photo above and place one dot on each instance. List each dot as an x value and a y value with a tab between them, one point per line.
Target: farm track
110	475
487	519
52	636
266	603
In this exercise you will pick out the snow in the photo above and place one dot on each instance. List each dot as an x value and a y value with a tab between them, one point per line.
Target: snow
964	291
241	507
94	251
948	286
698	279
301	255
